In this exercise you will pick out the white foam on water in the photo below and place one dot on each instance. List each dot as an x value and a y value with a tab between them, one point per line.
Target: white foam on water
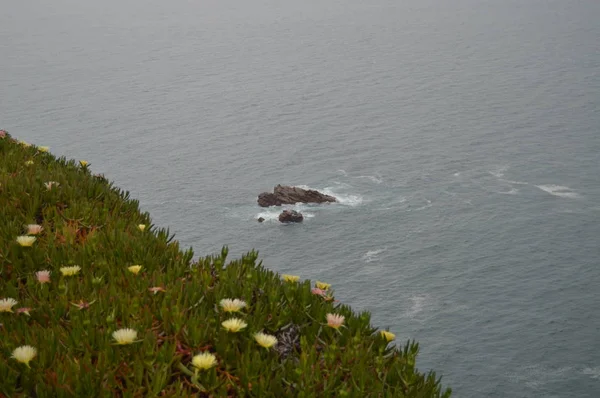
375	179
594	373
513	191
342	172
514	182
272	215
344	199
372	255
457	174
559	190
418	304
499	172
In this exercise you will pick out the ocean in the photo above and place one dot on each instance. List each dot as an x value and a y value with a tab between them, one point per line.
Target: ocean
462	139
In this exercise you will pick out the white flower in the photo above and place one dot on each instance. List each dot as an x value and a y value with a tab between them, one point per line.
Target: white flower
234	325
51	184
265	340
34	229
26	241
7	304
335	320
204	361
24	354
124	336
230	305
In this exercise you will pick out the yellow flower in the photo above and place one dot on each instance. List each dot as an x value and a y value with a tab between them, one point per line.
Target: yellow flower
335	320
7	304
204	361
142	227
26	241
70	271
265	340
83	163
290	278
29	163
388	336
234	325
34	229
43	148
24	354
124	336
25	144
230	305
135	269
323	285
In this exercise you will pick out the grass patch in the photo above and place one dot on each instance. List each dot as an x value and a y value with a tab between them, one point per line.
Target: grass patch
110	305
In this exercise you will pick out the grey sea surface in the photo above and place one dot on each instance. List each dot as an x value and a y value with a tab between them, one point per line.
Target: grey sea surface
462	138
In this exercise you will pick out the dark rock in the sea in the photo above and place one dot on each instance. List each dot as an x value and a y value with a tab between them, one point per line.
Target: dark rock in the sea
291	216
261	219
286	195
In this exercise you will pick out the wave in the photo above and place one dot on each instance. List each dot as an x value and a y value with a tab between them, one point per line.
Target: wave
372	255
343	199
419	302
272	215
375	179
514	182
499	172
513	191
559	190
594	373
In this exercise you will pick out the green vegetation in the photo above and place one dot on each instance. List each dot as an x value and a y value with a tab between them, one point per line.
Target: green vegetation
112	270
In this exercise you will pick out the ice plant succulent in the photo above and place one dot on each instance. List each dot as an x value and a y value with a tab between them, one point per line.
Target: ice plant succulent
335	320
204	361
6	304
70	271
43	276
34	229
318	292
142	227
26	241
234	325
83	163
323	285
265	340
234	305
157	289
124	336
24	354
388	336
135	269
290	278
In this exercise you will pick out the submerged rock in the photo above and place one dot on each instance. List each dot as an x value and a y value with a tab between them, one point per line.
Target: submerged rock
261	219
287	195
291	216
